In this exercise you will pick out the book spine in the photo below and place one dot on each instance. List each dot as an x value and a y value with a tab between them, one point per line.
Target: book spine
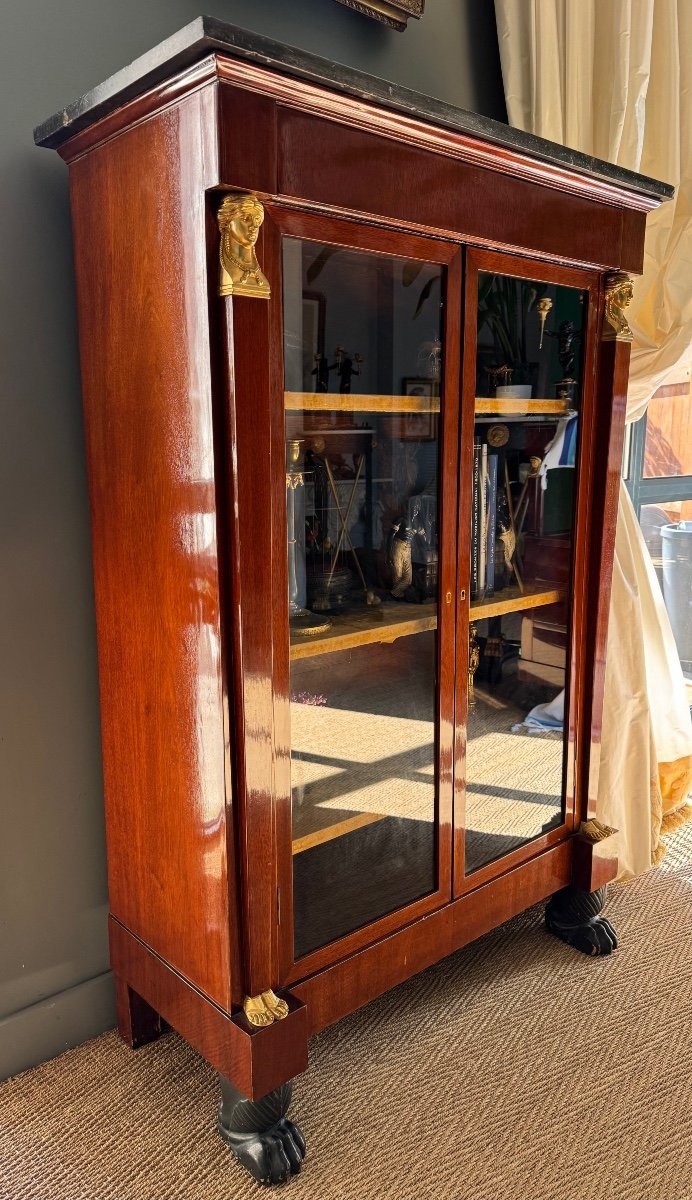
475	521
483	518
492	522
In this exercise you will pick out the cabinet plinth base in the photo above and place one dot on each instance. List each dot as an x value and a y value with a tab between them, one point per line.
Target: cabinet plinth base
573	915
258	1132
138	1022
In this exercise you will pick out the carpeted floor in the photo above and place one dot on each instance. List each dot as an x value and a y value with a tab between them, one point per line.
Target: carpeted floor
514	1070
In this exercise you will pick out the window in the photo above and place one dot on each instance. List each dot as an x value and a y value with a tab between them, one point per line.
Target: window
658	462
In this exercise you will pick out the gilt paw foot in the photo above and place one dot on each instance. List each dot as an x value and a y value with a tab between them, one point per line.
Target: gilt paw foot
264	1009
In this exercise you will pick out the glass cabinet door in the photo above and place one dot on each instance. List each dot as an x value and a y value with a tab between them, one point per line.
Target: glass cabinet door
364	392
518	538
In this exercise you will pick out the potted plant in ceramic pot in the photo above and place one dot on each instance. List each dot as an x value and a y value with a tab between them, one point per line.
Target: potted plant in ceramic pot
504	305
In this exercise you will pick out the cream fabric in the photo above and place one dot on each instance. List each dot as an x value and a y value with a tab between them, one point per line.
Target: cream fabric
613	78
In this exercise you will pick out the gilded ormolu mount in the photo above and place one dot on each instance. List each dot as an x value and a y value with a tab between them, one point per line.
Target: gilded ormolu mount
240	217
264	1009
619	289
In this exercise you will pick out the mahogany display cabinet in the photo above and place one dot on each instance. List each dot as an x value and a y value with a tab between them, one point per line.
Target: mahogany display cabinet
354	367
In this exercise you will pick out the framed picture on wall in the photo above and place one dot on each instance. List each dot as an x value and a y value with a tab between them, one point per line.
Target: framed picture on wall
314	310
394	13
420	424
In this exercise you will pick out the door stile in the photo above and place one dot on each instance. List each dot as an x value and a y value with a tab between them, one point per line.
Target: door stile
447	587
610	399
462	590
587	526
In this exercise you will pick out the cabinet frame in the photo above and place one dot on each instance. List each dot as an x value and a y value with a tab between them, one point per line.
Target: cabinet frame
192	823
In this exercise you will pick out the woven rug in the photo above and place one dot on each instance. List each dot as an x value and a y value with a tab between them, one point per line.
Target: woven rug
361	758
515	1068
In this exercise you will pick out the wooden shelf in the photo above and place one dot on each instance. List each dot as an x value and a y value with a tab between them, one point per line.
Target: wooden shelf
386	623
330	832
512	600
487	404
365	626
335	402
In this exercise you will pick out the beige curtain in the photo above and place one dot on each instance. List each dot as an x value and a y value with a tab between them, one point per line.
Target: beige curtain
613	78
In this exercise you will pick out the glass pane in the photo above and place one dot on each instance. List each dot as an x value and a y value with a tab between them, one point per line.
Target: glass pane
667	529
528	390
668	443
362	376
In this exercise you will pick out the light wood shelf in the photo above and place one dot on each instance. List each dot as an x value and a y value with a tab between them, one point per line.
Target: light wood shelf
352	402
329	832
335	402
512	600
386	623
366	626
488	404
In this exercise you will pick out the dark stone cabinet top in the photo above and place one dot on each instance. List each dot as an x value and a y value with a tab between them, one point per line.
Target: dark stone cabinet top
206	35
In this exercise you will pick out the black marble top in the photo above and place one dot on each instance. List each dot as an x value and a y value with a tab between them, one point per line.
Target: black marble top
206	35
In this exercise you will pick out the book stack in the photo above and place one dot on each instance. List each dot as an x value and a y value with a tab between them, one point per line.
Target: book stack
483	521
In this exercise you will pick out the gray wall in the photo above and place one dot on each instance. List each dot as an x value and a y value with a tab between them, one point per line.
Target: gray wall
55	989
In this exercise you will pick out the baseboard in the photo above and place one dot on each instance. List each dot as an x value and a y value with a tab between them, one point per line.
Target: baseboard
46	1029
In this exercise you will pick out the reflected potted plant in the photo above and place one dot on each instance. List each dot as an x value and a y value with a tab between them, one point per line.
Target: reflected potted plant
504	305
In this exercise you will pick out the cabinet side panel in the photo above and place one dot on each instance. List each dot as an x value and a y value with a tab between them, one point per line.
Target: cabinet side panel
139	220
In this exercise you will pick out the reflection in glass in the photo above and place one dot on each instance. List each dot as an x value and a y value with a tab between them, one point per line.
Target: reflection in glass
667	530
528	393
362	377
668	443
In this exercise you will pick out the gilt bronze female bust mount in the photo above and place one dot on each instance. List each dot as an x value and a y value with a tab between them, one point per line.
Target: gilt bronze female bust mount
240	217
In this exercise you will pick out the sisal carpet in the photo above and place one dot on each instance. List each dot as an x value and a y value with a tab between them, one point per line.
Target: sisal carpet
362	758
514	1069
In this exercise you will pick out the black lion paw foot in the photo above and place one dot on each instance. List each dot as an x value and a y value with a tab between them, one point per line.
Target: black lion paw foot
272	1156
575	917
596	936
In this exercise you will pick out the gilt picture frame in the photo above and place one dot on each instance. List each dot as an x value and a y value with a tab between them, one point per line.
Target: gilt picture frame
394	13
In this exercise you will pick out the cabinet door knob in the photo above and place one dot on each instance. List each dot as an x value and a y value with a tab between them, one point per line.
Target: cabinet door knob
448	597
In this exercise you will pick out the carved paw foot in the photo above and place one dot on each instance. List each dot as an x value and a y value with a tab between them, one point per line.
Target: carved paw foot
271	1156
574	917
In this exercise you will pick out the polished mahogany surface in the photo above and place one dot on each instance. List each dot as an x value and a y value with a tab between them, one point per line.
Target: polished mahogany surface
142	294
253	55
246	336
257	1060
185	414
347	985
612	376
439	192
